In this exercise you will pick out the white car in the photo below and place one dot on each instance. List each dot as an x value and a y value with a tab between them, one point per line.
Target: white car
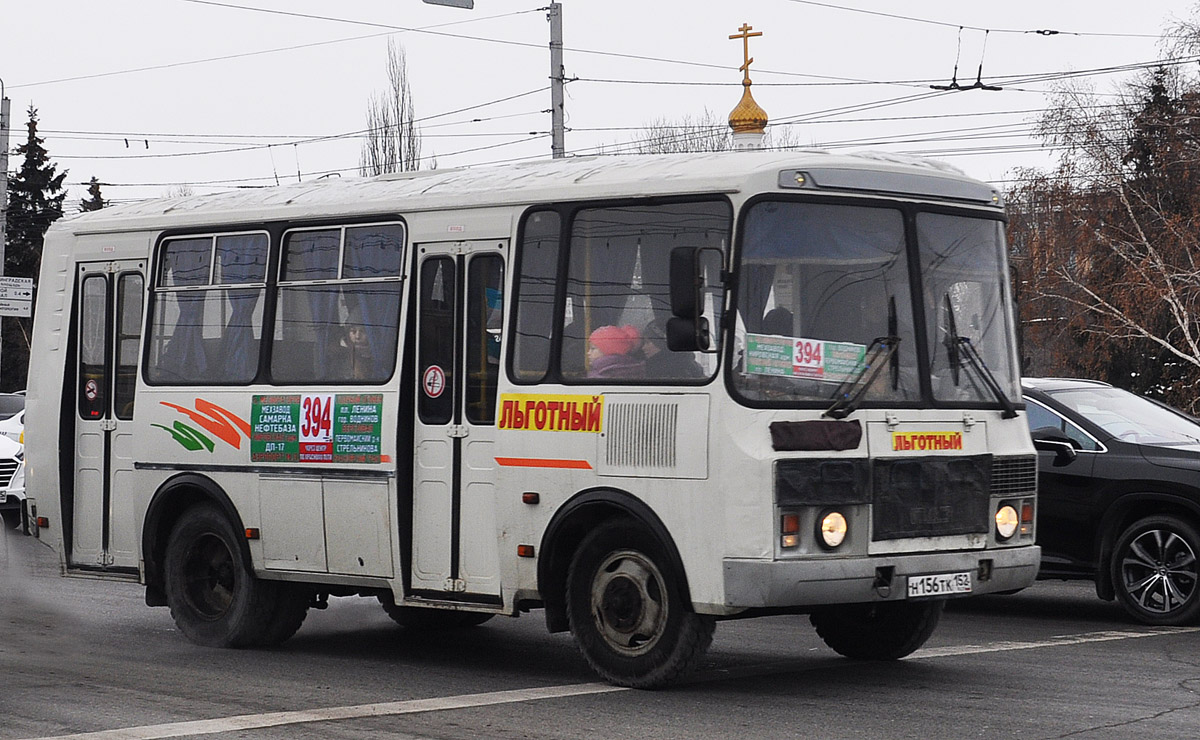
12	482
14	427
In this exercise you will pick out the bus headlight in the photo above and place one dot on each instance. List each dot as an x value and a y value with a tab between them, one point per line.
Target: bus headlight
1007	522
833	529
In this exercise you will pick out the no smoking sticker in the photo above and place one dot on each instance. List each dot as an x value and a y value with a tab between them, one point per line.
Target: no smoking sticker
91	390
433	381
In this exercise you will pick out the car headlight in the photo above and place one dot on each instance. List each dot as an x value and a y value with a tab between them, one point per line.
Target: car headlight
833	529
1007	522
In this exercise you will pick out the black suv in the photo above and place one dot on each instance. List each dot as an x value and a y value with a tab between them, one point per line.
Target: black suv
1118	495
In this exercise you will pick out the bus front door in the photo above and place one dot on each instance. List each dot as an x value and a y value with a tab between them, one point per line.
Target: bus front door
103	522
459	312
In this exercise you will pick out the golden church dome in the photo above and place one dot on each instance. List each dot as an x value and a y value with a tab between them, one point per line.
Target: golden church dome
748	117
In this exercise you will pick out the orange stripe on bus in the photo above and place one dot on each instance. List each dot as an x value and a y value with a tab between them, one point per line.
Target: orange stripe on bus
539	462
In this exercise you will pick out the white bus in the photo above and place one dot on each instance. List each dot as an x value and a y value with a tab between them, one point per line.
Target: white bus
640	394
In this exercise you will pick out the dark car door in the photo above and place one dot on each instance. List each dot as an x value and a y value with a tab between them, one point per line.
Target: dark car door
1067	493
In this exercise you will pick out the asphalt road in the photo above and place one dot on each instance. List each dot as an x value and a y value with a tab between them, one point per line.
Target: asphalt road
87	658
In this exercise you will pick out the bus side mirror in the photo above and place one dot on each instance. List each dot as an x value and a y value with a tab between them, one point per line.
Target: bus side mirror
687	329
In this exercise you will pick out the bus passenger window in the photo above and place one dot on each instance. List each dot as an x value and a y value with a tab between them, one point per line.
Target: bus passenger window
536	288
207	321
435	343
338	311
619	276
485	310
93	376
130	291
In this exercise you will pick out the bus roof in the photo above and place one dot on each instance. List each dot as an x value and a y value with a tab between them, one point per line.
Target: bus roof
575	178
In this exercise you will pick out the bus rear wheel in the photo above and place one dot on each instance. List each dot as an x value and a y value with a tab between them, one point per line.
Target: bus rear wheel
214	598
885	631
626	609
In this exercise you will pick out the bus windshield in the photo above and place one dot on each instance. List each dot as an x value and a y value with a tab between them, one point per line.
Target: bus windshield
820	283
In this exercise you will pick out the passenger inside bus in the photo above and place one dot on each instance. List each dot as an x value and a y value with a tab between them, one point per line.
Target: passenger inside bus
661	362
357	348
614	352
778	321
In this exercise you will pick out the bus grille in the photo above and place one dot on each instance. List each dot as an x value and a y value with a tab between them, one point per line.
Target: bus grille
641	435
7	469
1014	475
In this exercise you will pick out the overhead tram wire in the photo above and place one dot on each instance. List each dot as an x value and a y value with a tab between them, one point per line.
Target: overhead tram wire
269	181
311	140
948	24
1009	79
260	52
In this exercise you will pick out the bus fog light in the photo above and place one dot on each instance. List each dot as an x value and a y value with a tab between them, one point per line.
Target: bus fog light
1006	522
833	529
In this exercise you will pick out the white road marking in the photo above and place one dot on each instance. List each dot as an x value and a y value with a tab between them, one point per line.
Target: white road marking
465	701
1057	641
275	719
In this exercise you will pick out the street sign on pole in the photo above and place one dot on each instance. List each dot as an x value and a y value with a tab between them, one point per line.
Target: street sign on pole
16	296
16	289
16	308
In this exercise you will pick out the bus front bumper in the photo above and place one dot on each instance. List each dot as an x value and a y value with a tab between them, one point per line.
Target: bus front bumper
816	582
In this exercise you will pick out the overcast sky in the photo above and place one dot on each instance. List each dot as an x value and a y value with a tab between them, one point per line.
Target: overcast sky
149	96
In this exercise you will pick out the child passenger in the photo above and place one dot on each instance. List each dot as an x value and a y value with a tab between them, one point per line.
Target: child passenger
613	352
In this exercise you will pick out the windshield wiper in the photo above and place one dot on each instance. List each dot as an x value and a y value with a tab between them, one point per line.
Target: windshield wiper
957	347
852	388
951	341
989	380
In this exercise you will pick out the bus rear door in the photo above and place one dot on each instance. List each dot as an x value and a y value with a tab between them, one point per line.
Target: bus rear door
104	522
460	306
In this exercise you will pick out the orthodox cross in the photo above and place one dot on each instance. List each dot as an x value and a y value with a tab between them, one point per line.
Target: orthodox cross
745	37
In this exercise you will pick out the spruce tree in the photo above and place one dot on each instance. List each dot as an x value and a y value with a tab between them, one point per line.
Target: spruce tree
35	200
94	201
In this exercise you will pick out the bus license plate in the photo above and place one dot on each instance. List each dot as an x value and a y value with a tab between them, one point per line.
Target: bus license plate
939	584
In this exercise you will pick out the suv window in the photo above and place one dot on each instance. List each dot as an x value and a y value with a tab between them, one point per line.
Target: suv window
1039	417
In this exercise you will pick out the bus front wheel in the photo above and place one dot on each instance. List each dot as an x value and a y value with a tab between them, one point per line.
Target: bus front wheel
626	609
888	630
214	598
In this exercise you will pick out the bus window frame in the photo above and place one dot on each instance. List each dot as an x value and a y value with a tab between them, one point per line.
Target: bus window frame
275	231
154	289
275	288
567	212
908	210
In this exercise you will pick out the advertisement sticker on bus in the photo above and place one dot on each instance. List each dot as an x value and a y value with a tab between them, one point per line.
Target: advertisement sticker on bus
551	413
317	428
927	441
802	358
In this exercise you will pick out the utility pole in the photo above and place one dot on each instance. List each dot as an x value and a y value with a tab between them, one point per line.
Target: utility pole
4	127
557	125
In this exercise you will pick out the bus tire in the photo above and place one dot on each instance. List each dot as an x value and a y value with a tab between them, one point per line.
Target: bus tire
214	598
11	517
626	609
886	630
291	608
420	618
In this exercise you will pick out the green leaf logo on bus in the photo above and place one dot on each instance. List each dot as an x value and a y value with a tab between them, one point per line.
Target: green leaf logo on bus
221	423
